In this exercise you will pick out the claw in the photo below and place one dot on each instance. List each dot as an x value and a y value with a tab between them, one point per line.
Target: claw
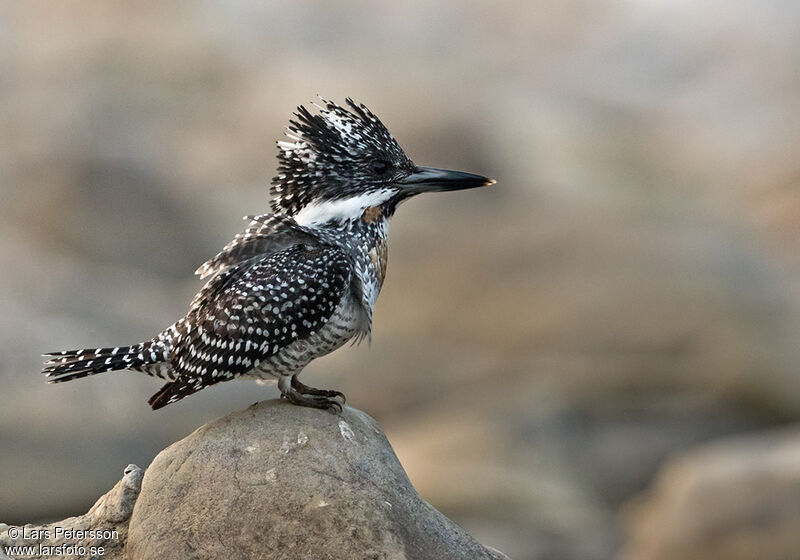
334	407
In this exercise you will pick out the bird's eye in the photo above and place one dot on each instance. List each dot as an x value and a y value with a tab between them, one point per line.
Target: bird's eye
380	167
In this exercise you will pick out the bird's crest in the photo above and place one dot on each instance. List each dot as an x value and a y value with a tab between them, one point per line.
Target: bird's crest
335	154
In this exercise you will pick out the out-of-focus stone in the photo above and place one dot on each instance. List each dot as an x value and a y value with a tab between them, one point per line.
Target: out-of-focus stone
734	500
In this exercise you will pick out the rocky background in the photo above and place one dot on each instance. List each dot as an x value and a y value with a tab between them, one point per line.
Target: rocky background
560	362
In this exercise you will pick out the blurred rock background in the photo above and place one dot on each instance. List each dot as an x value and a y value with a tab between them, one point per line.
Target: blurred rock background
629	291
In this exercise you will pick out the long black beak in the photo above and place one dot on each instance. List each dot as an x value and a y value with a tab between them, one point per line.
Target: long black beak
430	179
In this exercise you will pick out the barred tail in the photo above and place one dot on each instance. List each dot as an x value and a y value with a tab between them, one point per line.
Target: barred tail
74	364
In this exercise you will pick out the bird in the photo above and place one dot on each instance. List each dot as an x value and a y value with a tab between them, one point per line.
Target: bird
301	280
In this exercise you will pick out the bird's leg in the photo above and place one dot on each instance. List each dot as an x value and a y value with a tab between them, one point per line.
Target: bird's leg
304	396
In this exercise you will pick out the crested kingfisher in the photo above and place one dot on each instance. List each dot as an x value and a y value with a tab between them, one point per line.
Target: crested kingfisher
301	280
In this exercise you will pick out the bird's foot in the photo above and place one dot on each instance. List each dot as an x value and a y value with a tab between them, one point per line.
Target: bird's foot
312	401
304	389
303	395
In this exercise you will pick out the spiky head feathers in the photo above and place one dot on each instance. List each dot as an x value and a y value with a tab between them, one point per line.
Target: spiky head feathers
337	154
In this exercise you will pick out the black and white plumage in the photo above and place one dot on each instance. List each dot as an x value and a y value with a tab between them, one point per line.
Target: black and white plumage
299	282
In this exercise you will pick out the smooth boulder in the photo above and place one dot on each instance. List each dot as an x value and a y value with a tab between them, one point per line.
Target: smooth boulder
278	481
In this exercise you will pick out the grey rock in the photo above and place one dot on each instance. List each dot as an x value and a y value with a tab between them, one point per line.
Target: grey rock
101	532
278	481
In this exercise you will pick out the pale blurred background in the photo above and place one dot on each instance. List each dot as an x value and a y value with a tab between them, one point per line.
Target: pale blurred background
595	359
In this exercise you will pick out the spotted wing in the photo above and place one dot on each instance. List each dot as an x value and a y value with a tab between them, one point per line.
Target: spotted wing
266	234
251	311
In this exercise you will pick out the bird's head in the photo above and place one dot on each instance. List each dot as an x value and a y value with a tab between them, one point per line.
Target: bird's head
342	161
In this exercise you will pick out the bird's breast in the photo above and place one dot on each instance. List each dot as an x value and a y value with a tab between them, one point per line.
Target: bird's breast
379	257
